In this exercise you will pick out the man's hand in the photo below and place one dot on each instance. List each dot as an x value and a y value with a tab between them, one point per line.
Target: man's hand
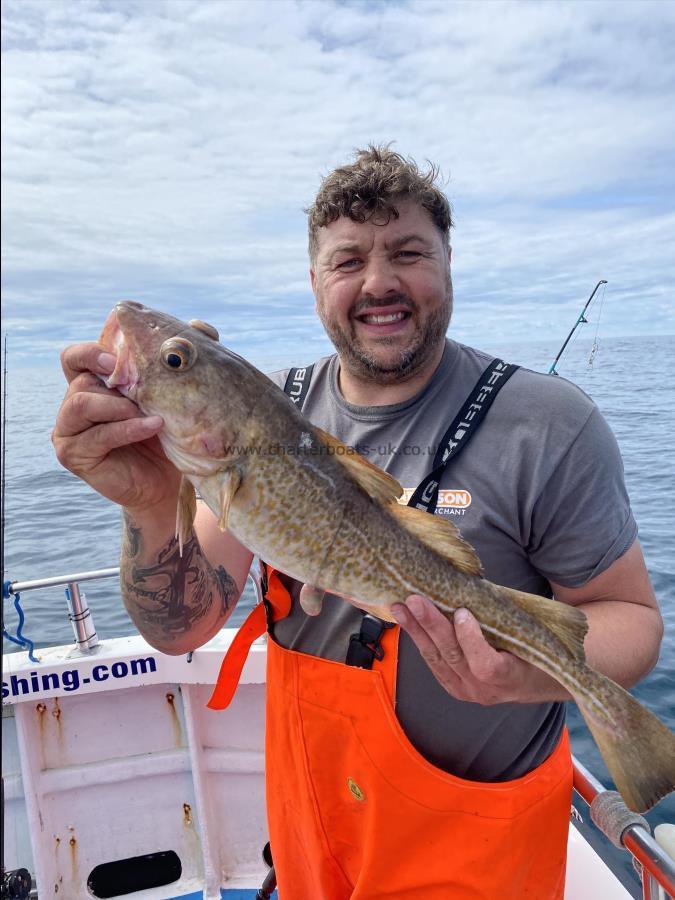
462	660
101	437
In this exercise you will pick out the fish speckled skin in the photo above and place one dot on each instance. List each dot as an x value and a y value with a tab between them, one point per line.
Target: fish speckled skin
311	508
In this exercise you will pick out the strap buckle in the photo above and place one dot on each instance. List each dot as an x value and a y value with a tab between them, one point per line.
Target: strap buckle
365	647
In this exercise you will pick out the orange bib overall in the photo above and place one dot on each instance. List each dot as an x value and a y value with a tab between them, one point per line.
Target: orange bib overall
355	811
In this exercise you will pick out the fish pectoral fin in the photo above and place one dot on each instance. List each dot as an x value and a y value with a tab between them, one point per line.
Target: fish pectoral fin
185	511
441	536
230	481
375	482
567	622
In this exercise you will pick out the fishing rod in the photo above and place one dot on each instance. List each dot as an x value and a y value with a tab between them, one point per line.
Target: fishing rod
15	884
4	457
20	638
3	484
580	321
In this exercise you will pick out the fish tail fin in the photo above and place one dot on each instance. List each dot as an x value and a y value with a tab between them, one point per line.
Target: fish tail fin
638	748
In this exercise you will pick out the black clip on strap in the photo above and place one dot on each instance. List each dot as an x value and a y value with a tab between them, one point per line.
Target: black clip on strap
364	647
269	610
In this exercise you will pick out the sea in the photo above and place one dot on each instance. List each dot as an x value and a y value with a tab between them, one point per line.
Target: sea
55	525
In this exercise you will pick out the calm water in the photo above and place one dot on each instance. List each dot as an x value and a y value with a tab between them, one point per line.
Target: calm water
56	525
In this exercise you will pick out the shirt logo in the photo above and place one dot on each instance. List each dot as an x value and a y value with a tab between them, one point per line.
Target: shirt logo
450	502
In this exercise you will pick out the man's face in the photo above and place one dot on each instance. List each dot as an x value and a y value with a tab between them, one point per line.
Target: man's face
384	293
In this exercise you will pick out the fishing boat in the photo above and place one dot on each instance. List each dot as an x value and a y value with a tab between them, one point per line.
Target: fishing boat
119	782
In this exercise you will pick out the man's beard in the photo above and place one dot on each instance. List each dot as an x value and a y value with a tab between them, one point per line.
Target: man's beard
411	359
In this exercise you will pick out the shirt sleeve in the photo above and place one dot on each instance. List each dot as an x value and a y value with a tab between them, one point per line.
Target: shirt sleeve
582	520
279	377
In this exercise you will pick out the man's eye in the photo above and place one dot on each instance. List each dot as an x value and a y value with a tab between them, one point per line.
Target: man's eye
408	255
349	263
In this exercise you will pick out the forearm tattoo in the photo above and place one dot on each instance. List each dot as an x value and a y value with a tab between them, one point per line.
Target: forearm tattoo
170	597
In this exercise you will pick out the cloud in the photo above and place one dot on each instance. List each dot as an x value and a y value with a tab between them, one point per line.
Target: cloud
167	151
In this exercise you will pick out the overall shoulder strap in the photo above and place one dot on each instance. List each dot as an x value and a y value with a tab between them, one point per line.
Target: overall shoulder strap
364	647
462	429
297	384
275	604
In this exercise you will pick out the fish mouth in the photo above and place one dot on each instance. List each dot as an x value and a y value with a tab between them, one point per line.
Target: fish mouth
125	375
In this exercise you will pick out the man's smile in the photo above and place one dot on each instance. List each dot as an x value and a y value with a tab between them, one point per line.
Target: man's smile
383	320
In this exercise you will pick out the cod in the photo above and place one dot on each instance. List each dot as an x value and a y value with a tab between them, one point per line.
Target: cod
313	508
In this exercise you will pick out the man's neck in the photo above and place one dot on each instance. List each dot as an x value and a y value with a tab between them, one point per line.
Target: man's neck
365	392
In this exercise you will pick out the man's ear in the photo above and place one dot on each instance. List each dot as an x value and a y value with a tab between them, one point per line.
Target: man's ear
449	254
312	281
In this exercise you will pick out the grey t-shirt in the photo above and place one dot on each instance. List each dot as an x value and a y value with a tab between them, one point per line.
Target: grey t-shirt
539	492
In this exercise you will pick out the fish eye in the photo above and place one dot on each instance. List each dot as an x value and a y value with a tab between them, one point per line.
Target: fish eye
178	354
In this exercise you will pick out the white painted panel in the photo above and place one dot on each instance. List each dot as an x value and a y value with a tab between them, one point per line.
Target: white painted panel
80	729
240	726
588	878
16	836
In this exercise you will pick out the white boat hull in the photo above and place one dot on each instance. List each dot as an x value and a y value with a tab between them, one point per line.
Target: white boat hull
113	755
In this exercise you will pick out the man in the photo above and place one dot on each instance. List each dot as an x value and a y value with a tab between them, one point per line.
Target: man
438	767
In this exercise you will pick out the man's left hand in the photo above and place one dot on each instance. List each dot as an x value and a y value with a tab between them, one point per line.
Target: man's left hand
460	657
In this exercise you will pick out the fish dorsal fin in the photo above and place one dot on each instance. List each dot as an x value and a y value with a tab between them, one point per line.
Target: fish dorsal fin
185	512
567	622
371	478
442	536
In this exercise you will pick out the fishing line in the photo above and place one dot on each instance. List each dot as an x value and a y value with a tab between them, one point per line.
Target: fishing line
573	341
596	342
581	320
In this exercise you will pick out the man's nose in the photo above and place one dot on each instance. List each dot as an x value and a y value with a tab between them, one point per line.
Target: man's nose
380	277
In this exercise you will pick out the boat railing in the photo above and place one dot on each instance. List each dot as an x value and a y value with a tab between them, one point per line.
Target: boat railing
79	613
653	864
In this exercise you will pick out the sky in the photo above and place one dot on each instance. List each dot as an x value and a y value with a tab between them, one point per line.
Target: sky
165	151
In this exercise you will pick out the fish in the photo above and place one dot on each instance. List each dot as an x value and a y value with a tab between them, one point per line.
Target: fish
313	508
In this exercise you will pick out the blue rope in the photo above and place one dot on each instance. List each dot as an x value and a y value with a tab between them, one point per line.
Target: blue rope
20	639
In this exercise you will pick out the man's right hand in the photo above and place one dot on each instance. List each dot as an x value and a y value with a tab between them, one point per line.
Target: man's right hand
101	437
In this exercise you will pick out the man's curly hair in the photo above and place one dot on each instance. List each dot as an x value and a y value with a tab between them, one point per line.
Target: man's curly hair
371	186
